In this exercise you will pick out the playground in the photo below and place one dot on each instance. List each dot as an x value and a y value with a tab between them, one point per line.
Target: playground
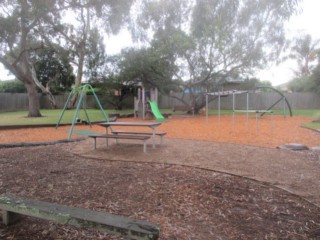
211	178
265	133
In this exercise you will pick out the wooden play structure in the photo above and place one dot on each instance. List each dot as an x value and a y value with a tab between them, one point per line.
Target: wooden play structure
146	103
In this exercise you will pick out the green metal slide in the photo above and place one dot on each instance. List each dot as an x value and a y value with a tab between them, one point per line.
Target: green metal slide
156	112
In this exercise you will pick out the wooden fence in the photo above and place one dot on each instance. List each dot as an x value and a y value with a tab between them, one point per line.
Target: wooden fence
262	100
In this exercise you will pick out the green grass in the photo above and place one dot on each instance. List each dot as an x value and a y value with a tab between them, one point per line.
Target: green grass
312	125
314	113
295	112
306	112
51	117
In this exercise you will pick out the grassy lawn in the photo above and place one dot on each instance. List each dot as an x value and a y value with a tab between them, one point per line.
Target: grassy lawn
312	125
51	116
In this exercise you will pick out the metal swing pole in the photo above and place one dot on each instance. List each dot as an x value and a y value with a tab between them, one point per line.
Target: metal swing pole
219	106
247	110
207	108
76	114
284	107
64	108
84	105
233	109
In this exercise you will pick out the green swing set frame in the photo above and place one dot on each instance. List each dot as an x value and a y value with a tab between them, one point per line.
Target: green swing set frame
83	91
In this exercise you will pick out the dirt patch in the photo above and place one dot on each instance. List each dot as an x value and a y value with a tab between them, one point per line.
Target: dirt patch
296	172
187	203
221	179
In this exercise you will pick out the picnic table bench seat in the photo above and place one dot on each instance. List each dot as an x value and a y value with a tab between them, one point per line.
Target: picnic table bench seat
12	207
160	134
143	138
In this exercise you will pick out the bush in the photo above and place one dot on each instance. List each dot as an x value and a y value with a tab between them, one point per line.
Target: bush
12	86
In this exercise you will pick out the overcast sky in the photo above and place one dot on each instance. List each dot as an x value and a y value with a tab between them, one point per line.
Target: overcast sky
305	23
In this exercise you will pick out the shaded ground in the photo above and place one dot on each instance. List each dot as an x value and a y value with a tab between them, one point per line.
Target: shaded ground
274	195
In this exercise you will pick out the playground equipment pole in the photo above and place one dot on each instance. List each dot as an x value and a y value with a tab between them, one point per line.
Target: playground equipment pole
207	107
64	108
76	114
233	109
247	110
100	106
284	107
219	102
80	101
283	98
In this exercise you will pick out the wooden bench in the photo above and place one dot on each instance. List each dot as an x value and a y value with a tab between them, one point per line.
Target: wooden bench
12	207
116	136
160	134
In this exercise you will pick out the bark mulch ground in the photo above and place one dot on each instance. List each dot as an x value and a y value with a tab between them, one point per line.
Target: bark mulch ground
266	132
214	180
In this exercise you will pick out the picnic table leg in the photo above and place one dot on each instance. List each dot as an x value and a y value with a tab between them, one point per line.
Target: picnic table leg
153	138
94	143
257	122
107	134
145	146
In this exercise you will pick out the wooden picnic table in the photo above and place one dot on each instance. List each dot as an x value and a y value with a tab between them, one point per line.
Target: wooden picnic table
150	125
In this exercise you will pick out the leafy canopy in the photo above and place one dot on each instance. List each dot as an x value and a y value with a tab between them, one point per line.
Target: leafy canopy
208	42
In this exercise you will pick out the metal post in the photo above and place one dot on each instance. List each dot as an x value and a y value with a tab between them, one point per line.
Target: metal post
219	106
207	108
247	110
143	103
65	107
284	107
257	124
233	109
75	115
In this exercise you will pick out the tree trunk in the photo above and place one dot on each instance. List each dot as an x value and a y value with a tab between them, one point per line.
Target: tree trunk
81	51
34	100
45	90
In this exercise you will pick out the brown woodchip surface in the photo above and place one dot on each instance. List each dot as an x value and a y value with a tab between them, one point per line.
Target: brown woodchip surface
215	180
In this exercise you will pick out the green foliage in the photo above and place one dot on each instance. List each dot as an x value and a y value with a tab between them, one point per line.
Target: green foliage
252	83
22	23
208	42
148	66
305	51
112	90
96	57
307	83
53	69
13	86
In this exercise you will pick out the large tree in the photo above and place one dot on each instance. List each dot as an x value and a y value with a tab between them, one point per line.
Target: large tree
20	22
24	22
88	21
209	41
305	51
